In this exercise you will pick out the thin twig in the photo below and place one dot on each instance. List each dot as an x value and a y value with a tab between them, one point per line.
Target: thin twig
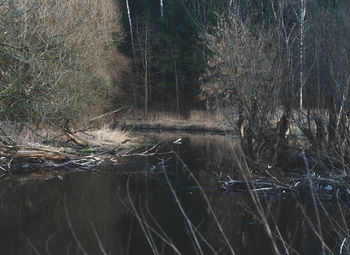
98	239
71	226
139	218
342	246
47	244
211	211
189	223
132	210
32	246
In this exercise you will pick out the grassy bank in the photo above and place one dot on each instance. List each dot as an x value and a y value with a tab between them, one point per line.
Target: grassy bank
195	120
26	149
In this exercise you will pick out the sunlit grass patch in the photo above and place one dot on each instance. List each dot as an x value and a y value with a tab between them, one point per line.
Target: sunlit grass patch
105	136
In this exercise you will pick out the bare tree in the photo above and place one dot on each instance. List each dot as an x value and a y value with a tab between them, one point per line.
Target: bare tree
144	32
302	55
268	75
58	59
132	45
161	8
177	89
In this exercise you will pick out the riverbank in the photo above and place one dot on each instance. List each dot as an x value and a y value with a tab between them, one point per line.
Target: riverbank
193	121
26	150
174	126
190	173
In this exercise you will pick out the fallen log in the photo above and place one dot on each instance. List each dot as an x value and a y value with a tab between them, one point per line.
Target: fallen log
329	187
16	148
108	113
42	155
242	185
28	152
24	160
71	136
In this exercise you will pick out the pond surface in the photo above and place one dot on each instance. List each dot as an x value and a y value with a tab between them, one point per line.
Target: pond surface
120	204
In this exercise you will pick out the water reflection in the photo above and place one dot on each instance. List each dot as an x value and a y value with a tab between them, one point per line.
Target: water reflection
33	219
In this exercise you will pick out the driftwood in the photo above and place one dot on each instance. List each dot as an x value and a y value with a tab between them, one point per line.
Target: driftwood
329	187
108	113
21	160
242	185
149	152
71	136
16	152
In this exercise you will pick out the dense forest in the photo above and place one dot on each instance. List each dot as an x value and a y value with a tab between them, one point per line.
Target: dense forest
169	55
177	48
272	67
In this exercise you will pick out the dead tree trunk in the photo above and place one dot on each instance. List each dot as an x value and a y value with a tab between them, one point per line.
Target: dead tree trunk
320	133
240	122
161	8
70	135
146	70
302	55
132	48
281	147
332	122
176	81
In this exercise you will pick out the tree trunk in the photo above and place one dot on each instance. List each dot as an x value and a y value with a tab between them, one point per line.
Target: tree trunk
132	47
176	82
332	122
240	122
302	28
146	71
161	8
320	133
281	147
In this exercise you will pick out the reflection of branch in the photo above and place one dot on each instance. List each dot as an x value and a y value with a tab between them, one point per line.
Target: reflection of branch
47	244
149	152
342	246
71	226
149	233
210	209
189	223
144	224
142	214
68	248
98	239
315	231
32	246
155	146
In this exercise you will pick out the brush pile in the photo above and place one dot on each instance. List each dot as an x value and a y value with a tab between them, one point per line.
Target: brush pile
326	188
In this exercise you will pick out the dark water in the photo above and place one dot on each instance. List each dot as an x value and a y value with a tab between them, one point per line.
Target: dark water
114	200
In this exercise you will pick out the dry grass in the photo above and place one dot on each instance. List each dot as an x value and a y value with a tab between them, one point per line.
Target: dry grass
193	115
105	136
39	137
24	134
195	118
